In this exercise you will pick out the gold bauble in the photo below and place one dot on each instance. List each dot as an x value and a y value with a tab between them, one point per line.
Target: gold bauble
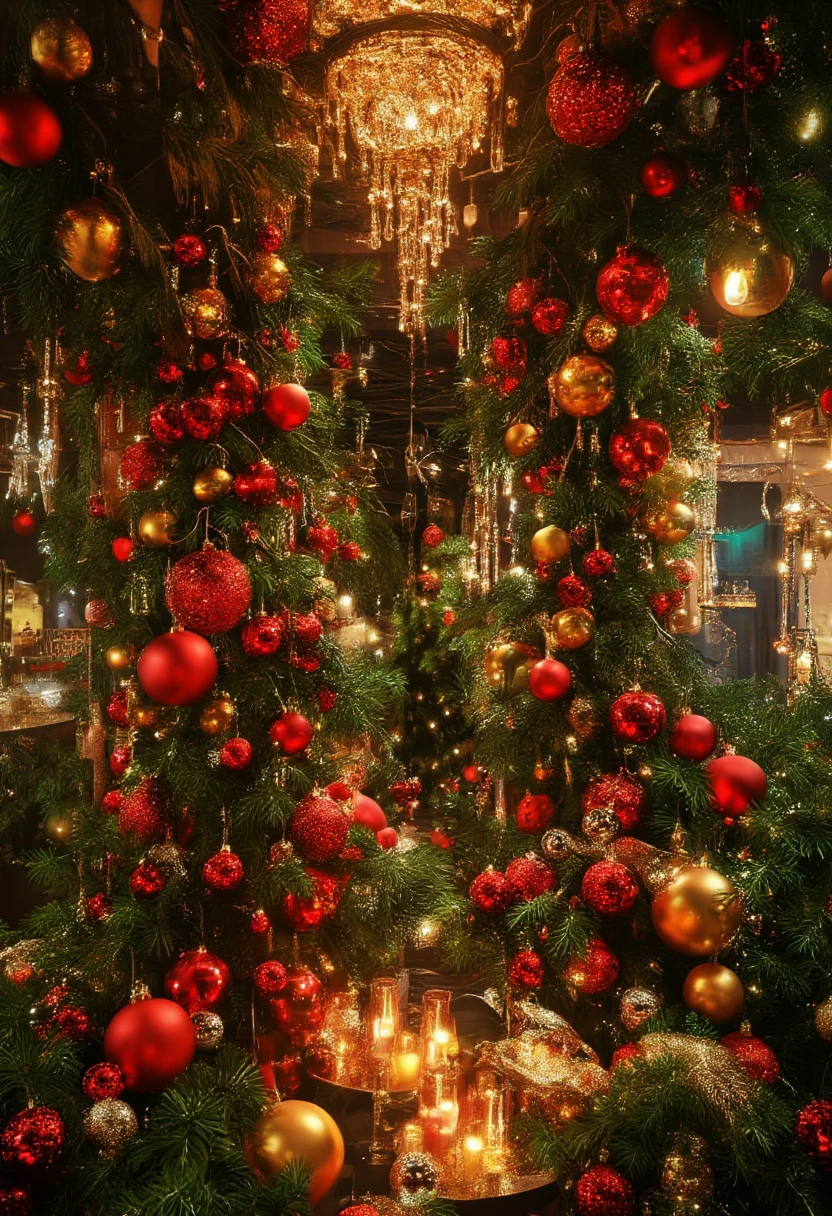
269	278
508	664
715	992
550	544
59	826
157	529
752	275
209	1029
111	1124
674	479
823	1019
91	237
117	658
571	628
61	49
670	522
144	717
205	313
298	1132
212	484
698	912
686	1173
521	438
583	385
325	592
217	716
599	332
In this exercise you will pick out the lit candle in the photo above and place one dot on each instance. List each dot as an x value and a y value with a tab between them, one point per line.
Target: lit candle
473	1148
406	1062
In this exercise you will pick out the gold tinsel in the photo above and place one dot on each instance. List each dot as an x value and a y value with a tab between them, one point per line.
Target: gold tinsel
710	1070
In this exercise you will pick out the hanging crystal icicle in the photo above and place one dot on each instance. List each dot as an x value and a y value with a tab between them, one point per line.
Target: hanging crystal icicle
21	452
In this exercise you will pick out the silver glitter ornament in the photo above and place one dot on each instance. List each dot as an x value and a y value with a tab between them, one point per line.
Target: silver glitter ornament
637	1006
601	825
110	1124
823	1019
557	844
209	1029
414	1177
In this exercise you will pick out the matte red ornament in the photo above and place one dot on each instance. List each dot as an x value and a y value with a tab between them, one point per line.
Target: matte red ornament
120	758
529	877
573	592
744	198
208	591
637	717
189	249
33	1139
152	1042
304	914
236	754
735	783
262	636
549	679
30	131
168	372
591	100
256	485
367	812
291	732
597	971
639	448
633	286
756	1057
267	31
177	668
825	402
598	563
690	48
146	880
142	465
662	174
237	386
269	238
111	802
509	353
526	970
287	406
813	1131
521	295
24	523
548	316
269	977
197	980
602	1191
147	812
609	888
96	507
122	548
535	813
117	707
300	1009
387	838
432	536
102	1081
203	417
491	891
693	737
318	828
223	871
755	67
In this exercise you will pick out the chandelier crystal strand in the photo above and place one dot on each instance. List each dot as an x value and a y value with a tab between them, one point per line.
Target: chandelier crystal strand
48	449
21	453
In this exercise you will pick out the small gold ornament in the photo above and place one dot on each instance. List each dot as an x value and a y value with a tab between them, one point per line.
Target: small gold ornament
571	628
715	992
157	529
637	1006
59	826
752	275
698	912
297	1131
110	1125
601	825
269	278
670	522
212	484
599	332
209	1029
686	1173
325	593
91	238
583	385
557	844
823	1019
205	313
117	658
520	439
217	716
507	665
550	544
61	49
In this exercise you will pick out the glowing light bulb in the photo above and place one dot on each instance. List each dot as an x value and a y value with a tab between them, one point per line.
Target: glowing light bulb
810	125
736	287
411	122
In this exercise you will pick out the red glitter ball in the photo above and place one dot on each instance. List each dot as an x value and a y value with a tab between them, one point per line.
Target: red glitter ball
147	879
509	353
103	1081
526	970
262	636
602	1191
744	198
147	812
269	977
342	360
432	536
521	295
117	707
55	996
430	583
639	448
491	891
318	828
304	914
662	175
267	31
597	971
98	906
403	792
534	812
327	699
529	877
625	1054
598	563
609	888
111	802
549	316
304	628
322	538
813	1131
360	1209
236	754
305	662
349	551
535	480
291	732
633	286
204	417
621	793
684	571
14	1201
448	618
237	386
95	506
755	67
591	100
256	485
208	591
165	422
637	717
190	249
168	372
205	361
756	1057
120	758
573	592
260	923
664	602
289	340
72	1023
97	613
269	237
142	465
223	872
33	1138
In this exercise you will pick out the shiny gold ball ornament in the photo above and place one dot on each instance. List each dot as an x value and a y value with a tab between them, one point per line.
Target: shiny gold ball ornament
61	49
571	628
268	277
550	544
753	274
674	479
520	439
599	332
823	1019
297	1131
59	826
209	1029
117	658
583	386
698	912
212	484
157	529
111	1124
507	665
415	1176
205	313
217	716
671	522
90	235
715	992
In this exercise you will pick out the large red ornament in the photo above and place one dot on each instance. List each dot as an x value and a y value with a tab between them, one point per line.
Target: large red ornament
208	591
526	970
267	31
597	971
142	465
30	131
291	732
620	793
637	717
262	636
633	286
177	668
549	679
197	980
548	316
735	783
318	828
528	877
102	1081
33	1139
491	891
237	387
223	871
304	914
639	448
756	1057
534	813
591	100
152	1042
24	523
756	65
690	47
287	406
203	417
520	296
609	888
602	1191
300	1009
256	485
236	754
662	175
813	1131
368	813
147	812
165	422
693	737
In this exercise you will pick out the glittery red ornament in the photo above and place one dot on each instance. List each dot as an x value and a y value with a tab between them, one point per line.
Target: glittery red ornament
33	1139
535	479
208	591
526	970
342	361
548	316
206	361
102	1081
14	1200
509	353
625	1054
177	668
96	508
403	792
152	1041
146	880
260	923
189	249
813	1131
430	582
111	802
72	1023
360	1209
597	971
491	891
147	812
304	914
98	906
663	602
690	47
269	238
448	618
534	813
735	783
236	754
432	536
24	523
224	871
637	717
327	699
573	592
269	977
237	386
609	888
120	758
598	563
662	174
755	66
639	448
142	465
168	372
262	636
744	198
693	737
256	485
97	613
197	980
203	417
117	707
290	340
602	1191
367	812
633	286
549	679
349	551
122	548
300	1009
529	877
756	1057
340	791
287	406
289	494
521	295
322	538
291	732
318	828
591	100
267	31
30	130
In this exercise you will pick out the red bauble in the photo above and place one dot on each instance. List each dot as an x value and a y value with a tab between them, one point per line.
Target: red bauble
269	977
598	563
491	891
122	548
300	1009
177	668
349	551
387	838
120	758
197	980
625	1054
549	679
693	737
30	131
591	100
97	613
223	871
534	813
322	538
327	699
360	1209
111	802
117	707
662	175
526	970
147	812
573	592
168	372
260	923
368	813
267	31
318	828
597	971
825	402
609	888
165	422
98	906
690	47
430	583
262	636
529	877
256	485
78	375
269	238
602	1191
341	792
103	1081
189	249
96	508
633	286
684	571
342	360
304	914
206	361
637	717
509	353
744	198
521	295
24	523
208	591
152	1042
291	732
142	465
146	880
432	536
756	65
813	1131
403	792
289	339
663	602
237	387
304	628
756	1057
33	1139
236	754
287	406
735	783
203	417
639	448
548	316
